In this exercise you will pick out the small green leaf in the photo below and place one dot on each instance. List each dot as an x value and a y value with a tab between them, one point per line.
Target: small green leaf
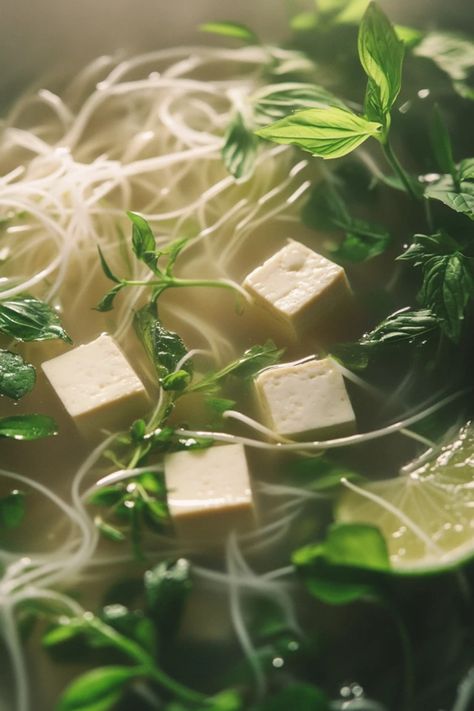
381	55
367	244
327	133
26	318
97	690
67	629
27	427
143	240
108	531
107	302
231	29
453	54
167	586
105	267
320	473
164	348
461	200
17	378
12	509
177	381
239	149
466	169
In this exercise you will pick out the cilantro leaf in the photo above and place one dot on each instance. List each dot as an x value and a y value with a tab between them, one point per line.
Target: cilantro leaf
17	378
240	148
164	348
26	318
27	427
327	133
231	29
381	55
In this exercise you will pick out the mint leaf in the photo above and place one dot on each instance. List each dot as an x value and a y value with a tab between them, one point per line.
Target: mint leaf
381	55
231	29
27	427
239	149
164	348
328	133
12	509
461	200
97	690
17	378
26	318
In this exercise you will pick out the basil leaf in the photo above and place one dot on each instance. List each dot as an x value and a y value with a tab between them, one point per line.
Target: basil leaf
167	586
231	29
26	318
275	102
348	565
326	210
381	55
105	267
97	690
107	301
164	348
143	241
328	133
27	427
12	509
239	149
17	378
453	54
466	169
461	201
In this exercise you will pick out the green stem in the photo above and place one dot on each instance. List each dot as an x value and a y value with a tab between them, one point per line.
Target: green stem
398	170
168	283
156	420
145	661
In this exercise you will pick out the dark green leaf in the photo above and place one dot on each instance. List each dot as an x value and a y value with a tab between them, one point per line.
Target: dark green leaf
97	690
105	267
27	427
274	102
107	302
28	319
177	381
12	509
231	29
219	405
328	133
239	149
381	55
461	200
296	697
320	473
164	348
106	496
366	244
17	378
143	240
167	586
453	54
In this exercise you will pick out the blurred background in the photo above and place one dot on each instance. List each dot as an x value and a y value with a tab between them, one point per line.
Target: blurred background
38	36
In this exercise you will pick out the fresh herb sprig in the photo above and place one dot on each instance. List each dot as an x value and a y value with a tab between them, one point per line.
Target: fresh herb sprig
146	251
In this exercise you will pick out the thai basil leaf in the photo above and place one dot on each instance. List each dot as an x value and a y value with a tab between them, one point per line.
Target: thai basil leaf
239	149
143	241
461	200
453	54
97	690
327	133
26	318
164	348
231	29
107	301
381	55
12	509
27	427
17	378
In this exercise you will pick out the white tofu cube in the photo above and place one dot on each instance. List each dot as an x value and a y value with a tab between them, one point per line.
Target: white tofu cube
307	399
209	492
298	287
97	386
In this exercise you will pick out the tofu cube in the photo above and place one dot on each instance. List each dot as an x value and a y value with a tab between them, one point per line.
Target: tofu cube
209	492
298	287
307	399
97	386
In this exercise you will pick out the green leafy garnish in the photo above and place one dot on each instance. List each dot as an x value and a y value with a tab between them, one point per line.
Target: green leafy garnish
459	198
231	29
98	690
240	148
453	54
27	427
327	133
164	348
12	509
17	378
26	318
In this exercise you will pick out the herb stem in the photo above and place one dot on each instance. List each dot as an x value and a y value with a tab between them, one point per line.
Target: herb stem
167	283
398	169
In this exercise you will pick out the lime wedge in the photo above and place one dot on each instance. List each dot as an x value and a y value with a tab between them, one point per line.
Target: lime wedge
426	516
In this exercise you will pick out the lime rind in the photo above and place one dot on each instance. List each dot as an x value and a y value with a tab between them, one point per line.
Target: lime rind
427	516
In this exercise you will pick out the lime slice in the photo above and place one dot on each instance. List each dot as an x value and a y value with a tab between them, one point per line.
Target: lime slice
427	516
